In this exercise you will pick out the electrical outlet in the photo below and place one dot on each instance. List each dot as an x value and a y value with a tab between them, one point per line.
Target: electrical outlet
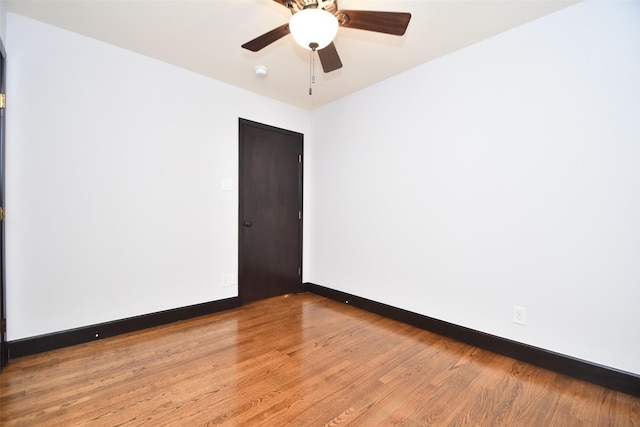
519	315
226	184
227	280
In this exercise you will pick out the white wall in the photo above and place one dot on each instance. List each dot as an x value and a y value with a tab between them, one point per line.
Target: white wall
114	166
504	174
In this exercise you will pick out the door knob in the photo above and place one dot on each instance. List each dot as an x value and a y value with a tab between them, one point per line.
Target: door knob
247	224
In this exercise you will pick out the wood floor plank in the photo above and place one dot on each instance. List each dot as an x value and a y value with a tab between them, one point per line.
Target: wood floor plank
299	360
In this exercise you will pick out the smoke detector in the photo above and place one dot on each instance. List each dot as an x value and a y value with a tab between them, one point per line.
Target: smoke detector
261	71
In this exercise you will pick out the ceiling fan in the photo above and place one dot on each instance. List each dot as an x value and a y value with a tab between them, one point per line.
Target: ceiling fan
315	23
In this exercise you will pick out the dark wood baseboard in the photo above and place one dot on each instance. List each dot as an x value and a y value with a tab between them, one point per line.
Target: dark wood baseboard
625	382
42	343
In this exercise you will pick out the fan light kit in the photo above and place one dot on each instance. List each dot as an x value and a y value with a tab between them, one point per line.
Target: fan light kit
314	24
313	28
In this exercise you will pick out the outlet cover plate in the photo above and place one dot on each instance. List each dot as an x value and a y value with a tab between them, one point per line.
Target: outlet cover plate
226	184
519	315
228	280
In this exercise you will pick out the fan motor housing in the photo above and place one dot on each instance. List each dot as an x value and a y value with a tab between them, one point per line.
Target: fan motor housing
298	5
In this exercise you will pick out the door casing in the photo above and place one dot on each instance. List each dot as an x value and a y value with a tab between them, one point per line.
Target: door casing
4	350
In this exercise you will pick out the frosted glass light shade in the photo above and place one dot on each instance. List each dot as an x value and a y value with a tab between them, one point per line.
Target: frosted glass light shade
313	26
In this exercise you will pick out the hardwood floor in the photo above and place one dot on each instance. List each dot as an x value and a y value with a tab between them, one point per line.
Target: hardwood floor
299	360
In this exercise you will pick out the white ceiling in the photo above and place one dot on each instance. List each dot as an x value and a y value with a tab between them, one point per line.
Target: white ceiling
204	36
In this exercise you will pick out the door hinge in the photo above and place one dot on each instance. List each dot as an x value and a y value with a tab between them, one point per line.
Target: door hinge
1	214
3	101
299	214
299	158
299	271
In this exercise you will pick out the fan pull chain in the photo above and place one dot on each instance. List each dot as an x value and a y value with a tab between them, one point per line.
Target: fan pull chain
310	71
312	65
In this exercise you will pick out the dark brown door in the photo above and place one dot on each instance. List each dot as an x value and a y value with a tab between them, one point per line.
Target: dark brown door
270	187
4	353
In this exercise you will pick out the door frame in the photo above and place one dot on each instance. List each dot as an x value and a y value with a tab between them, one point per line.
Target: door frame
242	122
4	349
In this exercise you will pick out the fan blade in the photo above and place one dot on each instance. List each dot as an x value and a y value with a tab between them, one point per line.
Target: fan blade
267	38
329	58
381	22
